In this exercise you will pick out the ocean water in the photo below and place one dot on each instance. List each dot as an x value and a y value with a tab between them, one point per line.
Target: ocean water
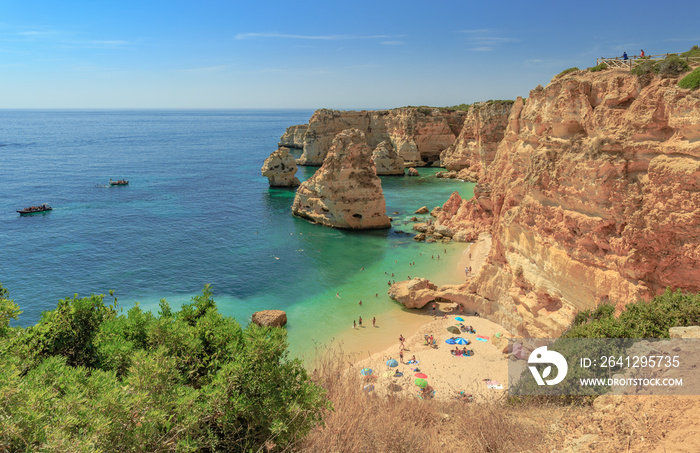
196	211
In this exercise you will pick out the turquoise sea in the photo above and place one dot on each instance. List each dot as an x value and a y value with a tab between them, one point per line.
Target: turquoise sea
196	211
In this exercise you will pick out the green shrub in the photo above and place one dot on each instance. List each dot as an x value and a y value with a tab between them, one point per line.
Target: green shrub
600	67
88	379
642	319
646	67
691	81
566	71
693	52
672	65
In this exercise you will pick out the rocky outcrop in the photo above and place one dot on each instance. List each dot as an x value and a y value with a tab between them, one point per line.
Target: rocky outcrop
415	293
412	172
294	136
270	318
346	191
475	147
280	169
387	161
418	135
593	196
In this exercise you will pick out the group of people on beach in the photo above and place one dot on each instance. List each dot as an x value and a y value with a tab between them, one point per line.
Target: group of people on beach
359	321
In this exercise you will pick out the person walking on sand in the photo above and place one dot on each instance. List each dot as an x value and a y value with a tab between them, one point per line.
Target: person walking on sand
354	324
374	321
401	355
360	321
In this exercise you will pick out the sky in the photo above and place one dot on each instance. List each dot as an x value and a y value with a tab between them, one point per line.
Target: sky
311	54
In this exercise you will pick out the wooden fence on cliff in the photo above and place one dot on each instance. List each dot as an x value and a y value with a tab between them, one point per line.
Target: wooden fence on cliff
634	61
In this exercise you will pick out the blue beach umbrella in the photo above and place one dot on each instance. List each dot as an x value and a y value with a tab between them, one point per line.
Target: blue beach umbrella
366	371
461	340
450	341
392	363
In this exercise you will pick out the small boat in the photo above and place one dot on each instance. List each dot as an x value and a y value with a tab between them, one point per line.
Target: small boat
35	209
118	182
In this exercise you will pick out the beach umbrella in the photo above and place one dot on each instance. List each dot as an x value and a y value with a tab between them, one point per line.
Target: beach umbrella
422	383
461	340
420	375
392	363
459	319
366	371
450	341
453	329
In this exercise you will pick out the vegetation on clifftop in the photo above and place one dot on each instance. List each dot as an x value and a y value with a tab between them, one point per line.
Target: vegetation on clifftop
86	378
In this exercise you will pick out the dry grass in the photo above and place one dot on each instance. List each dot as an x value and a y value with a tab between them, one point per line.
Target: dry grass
388	421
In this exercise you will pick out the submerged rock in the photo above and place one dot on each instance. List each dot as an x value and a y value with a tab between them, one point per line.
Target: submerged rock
346	191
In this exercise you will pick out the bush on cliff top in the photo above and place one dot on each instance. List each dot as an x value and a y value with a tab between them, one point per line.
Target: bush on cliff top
692	80
600	67
86	378
642	319
566	71
693	52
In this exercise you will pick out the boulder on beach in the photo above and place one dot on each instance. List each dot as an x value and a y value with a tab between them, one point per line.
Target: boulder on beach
414	293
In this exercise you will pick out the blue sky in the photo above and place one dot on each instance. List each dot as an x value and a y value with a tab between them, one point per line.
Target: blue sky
303	54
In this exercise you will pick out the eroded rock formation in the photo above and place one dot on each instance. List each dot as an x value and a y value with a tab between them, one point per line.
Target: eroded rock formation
387	161
294	136
418	135
475	147
593	195
346	191
280	169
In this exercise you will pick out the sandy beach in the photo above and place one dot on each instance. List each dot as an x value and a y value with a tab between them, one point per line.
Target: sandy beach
447	374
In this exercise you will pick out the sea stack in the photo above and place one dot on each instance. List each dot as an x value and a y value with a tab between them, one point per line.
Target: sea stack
387	161
346	191
280	168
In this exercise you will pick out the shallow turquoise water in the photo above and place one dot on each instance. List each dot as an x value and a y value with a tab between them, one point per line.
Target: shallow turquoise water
196	211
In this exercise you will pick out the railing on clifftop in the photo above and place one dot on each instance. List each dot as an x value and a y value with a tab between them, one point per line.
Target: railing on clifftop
635	60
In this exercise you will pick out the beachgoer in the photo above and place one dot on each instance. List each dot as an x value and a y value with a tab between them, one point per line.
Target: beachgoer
400	355
337	295
461	309
374	321
641	54
624	55
413	359
376	295
362	269
354	324
401	339
360	321
360	302
392	274
438	256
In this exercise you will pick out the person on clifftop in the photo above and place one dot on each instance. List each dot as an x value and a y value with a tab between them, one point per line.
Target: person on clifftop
624	55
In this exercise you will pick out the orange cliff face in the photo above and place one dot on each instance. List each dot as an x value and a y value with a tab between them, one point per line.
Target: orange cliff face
593	195
475	147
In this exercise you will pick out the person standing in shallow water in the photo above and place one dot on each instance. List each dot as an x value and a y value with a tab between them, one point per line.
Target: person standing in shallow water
360	321
374	321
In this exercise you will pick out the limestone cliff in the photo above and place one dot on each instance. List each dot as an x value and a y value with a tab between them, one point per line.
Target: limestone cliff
346	191
475	147
387	161
280	168
593	195
418	135
293	137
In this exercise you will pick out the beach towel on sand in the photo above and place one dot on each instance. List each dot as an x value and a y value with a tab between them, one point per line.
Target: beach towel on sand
482	338
494	385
